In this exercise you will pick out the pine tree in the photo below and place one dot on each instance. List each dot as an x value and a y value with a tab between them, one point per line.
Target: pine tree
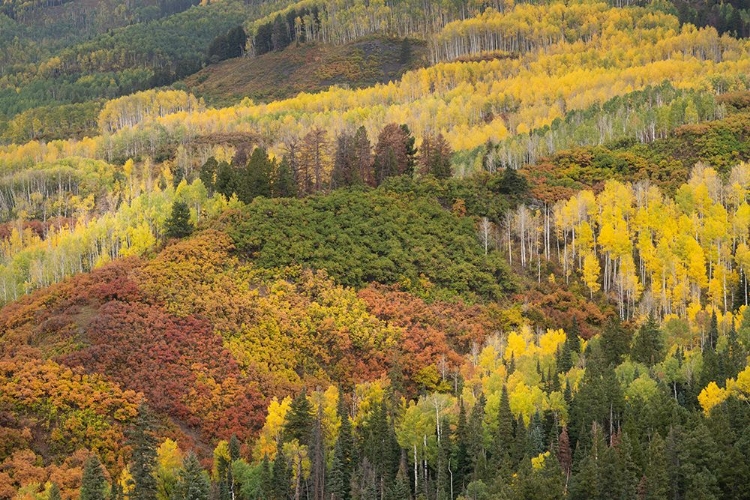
207	174
54	492
266	478
192	482
143	461
463	466
282	476
445	453
475	442
299	420
178	225
226	180
284	184
401	489
657	479
503	434
257	178
648	347
341	470
93	482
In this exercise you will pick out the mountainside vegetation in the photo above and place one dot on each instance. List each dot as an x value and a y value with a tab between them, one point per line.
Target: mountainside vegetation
374	250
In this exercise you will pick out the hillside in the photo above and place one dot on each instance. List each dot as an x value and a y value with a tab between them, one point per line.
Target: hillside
310	67
396	250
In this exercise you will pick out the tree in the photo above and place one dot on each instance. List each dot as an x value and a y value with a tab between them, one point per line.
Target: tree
257	178
284	184
657	479
54	492
207	174
435	157
93	482
345	168
299	420
178	224
341	469
143	460
648	347
394	153
192	482
281	474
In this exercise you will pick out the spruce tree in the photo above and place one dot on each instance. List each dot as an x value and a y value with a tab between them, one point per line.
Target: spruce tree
299	420
54	492
503	433
143	461
341	470
178	224
93	482
463	467
281	474
257	178
657	479
192	482
284	184
648	347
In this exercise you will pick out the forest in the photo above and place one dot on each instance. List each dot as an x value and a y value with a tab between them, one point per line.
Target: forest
515	270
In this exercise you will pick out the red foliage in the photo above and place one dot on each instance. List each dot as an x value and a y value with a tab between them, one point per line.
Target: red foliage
178	363
432	332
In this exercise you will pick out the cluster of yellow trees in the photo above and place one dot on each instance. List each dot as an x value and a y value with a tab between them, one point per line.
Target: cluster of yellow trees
656	254
471	103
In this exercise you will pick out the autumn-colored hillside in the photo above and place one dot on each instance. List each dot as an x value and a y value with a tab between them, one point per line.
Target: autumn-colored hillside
307	68
397	250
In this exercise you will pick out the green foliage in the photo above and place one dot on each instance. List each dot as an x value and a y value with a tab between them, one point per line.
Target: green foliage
93	482
193	481
359	237
178	225
143	461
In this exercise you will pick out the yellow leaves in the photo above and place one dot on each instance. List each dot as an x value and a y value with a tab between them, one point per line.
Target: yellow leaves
516	346
550	341
537	462
711	396
272	429
591	272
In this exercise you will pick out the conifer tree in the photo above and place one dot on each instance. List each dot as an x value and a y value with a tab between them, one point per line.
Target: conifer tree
281	473
178	224
657	479
93	482
54	492
192	482
299	420
284	183
341	469
648	347
143	461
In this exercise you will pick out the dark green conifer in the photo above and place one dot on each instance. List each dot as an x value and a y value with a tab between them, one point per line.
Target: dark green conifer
93	482
178	224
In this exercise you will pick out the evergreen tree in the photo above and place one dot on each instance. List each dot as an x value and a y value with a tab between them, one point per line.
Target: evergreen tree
657	479
266	478
178	224
257	179
207	174
615	342
648	347
143	460
192	482
54	492
341	469
226	180
93	482
463	466
282	475
475	442
445	452
284	184
299	420
503	433
401	489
